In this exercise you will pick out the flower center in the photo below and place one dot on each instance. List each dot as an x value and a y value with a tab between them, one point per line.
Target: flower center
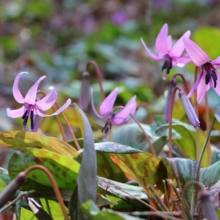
210	73
29	112
108	124
167	64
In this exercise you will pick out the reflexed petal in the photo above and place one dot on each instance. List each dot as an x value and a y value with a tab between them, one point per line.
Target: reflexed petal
217	88
16	92
169	42
66	105
181	61
201	89
107	104
124	114
132	101
161	41
47	101
216	62
155	57
30	97
196	84
178	47
93	106
197	55
17	113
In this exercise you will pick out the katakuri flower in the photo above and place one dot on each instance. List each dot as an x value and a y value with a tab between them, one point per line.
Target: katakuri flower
188	109
31	106
106	110
170	55
208	76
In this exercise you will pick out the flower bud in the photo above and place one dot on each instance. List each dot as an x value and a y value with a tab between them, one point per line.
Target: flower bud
207	206
172	86
9	191
189	109
84	98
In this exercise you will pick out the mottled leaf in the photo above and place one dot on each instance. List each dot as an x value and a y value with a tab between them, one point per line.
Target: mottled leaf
144	168
21	140
63	169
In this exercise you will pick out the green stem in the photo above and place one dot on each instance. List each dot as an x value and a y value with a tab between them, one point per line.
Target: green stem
203	150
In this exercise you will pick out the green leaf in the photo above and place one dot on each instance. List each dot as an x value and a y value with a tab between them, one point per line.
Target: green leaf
93	212
186	141
131	135
210	175
124	191
63	169
24	140
215	154
87	177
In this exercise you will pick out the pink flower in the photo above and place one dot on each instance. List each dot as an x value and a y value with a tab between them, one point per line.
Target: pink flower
208	76
31	106
170	55
106	110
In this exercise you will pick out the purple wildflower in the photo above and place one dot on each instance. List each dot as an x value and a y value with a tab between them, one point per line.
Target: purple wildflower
208	76
31	106
188	109
106	110
170	55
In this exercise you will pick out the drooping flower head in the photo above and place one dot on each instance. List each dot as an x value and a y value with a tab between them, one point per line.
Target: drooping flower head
208	76
31	106
106	110
170	55
189	109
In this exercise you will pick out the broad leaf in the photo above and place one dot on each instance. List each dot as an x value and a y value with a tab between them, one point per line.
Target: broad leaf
63	169
21	140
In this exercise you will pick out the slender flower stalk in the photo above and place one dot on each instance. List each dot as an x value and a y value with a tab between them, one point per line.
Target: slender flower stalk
32	107
84	98
170	55
208	76
172	85
106	110
99	75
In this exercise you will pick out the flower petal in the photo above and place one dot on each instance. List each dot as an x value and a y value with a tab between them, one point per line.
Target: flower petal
181	61
216	62
201	89
66	105
30	97
195	84
217	88
161	40
124	114
155	57
47	101
169	42
107	104
93	106
197	55
17	113
16	92
178	47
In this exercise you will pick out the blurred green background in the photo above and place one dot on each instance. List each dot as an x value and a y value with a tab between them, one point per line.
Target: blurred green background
58	38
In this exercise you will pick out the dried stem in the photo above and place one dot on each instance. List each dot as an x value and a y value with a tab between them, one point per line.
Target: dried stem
54	185
209	154
145	134
145	105
57	118
99	74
